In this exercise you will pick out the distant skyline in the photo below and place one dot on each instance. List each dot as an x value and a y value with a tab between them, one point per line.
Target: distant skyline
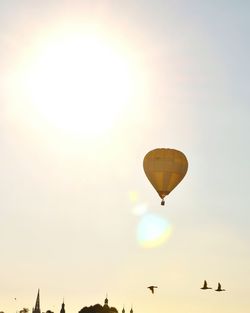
85	309
87	88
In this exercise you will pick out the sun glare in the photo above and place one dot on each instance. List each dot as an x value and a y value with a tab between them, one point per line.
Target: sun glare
79	83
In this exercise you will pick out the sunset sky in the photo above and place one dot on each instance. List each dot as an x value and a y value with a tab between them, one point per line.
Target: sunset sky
87	88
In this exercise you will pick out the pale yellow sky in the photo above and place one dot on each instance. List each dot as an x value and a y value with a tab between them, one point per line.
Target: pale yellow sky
87	88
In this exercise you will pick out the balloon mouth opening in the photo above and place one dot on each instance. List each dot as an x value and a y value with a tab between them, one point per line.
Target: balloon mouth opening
163	194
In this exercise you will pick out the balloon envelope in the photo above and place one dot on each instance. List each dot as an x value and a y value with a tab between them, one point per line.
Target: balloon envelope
165	169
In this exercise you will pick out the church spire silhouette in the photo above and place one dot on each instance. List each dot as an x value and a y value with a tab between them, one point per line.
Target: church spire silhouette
62	308
106	301
37	305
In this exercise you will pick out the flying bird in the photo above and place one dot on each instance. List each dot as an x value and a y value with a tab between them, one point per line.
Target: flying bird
219	288
205	286
152	288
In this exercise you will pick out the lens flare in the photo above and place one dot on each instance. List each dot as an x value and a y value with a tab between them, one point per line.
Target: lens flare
140	209
153	230
133	196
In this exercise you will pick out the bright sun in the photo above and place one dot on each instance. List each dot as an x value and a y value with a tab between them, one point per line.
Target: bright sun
79	83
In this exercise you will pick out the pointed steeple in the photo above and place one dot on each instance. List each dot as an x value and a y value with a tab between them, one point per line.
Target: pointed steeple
131	311
37	305
62	308
123	310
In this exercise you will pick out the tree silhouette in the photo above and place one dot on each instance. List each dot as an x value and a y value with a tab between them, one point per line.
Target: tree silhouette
97	308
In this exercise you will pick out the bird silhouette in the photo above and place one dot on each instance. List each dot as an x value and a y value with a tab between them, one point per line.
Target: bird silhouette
204	287
152	288
219	288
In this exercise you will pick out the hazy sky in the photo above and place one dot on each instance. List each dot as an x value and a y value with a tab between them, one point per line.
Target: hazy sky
87	88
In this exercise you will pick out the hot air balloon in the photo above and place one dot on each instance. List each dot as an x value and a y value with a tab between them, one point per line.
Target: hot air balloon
165	169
